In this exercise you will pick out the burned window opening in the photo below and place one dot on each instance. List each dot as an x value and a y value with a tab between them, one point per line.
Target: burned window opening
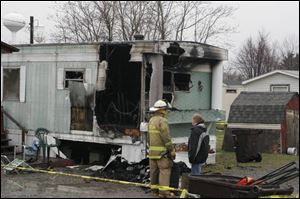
76	76
182	81
167	79
11	82
168	97
117	107
87	153
171	61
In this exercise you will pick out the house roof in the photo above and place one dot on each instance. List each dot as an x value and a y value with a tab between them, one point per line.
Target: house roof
259	107
291	73
6	48
230	82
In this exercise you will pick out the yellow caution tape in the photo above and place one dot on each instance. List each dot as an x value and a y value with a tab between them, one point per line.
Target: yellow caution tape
166	188
281	196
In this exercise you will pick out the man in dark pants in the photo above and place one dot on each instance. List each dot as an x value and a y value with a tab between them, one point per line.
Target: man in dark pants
198	145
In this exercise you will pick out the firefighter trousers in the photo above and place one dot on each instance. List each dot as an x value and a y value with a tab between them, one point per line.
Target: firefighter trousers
160	172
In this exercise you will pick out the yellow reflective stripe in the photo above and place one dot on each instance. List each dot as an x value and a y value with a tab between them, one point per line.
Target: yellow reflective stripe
183	193
168	143
153	131
163	189
154	157
157	148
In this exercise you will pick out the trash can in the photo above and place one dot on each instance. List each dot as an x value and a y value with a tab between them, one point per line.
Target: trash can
246	145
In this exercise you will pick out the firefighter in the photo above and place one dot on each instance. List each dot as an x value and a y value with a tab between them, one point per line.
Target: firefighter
161	151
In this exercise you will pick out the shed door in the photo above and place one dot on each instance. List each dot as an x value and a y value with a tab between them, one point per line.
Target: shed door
292	118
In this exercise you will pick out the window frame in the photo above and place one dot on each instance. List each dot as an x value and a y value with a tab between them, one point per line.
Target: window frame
272	86
83	70
22	83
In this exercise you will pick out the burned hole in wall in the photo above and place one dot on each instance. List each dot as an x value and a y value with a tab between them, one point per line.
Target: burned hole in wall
88	153
182	81
117	107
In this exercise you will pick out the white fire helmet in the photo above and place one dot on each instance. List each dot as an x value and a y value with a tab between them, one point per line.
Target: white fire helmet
160	104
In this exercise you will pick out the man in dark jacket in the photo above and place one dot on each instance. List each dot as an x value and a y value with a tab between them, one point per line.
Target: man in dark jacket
198	144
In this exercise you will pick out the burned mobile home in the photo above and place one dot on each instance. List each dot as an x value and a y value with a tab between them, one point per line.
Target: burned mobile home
96	96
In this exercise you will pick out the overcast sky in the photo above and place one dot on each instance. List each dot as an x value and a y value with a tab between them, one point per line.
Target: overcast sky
279	19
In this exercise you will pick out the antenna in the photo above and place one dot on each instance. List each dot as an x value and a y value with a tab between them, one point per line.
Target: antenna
14	22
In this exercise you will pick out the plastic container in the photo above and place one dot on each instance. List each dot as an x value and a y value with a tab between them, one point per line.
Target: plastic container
292	151
222	186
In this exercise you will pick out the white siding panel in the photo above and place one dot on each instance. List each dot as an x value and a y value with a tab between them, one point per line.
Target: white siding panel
88	75
22	83
60	78
263	85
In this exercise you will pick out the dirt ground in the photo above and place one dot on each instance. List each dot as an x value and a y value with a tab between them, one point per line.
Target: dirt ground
39	185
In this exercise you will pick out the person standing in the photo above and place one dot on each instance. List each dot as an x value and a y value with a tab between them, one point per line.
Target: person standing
198	144
161	151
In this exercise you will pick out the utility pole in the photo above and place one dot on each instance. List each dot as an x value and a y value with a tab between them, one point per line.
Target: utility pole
31	29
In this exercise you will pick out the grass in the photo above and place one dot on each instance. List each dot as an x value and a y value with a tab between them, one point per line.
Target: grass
227	160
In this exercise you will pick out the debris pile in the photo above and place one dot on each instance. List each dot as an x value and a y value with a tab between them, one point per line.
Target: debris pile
119	169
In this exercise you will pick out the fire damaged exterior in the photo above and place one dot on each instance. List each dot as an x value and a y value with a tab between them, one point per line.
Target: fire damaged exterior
100	93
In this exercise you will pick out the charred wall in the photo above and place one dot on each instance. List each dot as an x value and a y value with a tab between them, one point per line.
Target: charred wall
118	105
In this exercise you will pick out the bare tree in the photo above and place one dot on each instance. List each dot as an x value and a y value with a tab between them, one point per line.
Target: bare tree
89	21
257	57
182	14
289	53
211	23
133	18
107	11
76	21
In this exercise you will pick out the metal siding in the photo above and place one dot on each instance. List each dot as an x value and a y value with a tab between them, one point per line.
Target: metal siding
45	106
195	99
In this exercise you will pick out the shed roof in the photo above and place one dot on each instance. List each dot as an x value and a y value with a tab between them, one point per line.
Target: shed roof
259	107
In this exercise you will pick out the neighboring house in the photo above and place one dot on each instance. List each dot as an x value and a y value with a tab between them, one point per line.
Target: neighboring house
5	146
6	48
100	93
272	114
231	89
275	81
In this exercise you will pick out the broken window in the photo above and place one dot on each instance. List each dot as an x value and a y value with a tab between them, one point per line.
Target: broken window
11	81
76	76
182	81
